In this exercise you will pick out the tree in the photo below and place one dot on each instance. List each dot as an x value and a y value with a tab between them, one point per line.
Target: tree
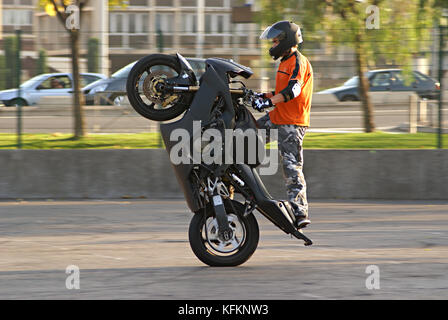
398	34
404	26
69	13
348	15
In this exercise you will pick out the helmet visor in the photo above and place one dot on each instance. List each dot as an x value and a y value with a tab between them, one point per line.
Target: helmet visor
271	33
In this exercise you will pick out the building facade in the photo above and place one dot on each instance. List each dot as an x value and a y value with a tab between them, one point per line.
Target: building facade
143	27
14	15
17	14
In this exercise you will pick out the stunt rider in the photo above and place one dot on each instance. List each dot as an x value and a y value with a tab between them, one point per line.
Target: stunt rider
291	114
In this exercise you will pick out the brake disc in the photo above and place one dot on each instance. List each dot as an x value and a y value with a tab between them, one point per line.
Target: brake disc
151	89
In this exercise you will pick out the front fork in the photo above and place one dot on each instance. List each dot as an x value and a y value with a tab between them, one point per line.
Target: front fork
217	191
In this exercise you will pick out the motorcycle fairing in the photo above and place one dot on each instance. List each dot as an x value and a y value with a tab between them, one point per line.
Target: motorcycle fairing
186	68
212	86
230	67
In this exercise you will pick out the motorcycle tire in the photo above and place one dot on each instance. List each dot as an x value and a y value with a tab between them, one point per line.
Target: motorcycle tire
241	248
147	110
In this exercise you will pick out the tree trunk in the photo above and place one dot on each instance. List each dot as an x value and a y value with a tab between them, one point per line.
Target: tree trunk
363	85
78	111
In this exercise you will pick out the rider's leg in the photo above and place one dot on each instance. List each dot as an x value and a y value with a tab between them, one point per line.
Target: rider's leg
265	123
290	145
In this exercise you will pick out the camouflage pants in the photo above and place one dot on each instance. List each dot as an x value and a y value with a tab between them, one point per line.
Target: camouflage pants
290	145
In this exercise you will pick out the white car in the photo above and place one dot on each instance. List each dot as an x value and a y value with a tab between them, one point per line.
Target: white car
47	84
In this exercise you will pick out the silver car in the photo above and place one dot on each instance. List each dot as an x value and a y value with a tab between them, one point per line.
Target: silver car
47	84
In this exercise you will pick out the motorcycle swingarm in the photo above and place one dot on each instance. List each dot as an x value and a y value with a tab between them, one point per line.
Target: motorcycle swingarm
278	212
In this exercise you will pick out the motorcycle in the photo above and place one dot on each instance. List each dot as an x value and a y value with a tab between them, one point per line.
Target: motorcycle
223	230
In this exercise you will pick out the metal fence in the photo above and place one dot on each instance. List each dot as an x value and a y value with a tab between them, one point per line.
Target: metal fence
331	69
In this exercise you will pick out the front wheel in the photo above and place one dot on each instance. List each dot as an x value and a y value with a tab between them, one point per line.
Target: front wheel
214	251
16	102
349	98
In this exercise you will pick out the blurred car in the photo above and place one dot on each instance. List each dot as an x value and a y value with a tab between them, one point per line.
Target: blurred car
112	91
46	84
387	80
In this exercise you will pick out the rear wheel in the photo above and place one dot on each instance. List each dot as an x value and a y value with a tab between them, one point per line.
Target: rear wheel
144	84
16	102
117	100
212	249
349	98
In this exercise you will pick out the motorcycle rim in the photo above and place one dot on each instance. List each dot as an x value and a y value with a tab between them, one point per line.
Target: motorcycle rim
143	84
211	250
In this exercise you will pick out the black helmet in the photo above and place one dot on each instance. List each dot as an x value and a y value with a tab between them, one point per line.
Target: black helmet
288	33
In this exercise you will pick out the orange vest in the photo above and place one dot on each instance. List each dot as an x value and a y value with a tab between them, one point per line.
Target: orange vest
297	110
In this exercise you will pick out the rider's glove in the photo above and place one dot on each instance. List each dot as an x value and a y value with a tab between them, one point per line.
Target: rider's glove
259	104
265	95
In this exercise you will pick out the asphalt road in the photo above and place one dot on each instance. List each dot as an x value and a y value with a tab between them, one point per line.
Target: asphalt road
336	118
138	249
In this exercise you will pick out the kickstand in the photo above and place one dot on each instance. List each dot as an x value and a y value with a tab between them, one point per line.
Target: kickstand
299	235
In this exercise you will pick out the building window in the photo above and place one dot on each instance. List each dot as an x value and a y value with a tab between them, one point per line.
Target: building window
165	22
214	3
164	3
220	24
188	3
138	2
13	17
217	24
189	23
128	23
132	23
119	23
208	23
144	22
128	29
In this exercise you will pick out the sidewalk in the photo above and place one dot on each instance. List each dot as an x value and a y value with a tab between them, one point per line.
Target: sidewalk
404	127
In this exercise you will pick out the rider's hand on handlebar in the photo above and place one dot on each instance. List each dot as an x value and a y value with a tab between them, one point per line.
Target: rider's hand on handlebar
260	103
264	95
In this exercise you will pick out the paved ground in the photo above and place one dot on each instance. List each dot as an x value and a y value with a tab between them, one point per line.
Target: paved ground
138	249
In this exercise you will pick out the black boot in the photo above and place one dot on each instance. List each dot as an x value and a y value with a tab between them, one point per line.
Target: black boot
302	222
301	218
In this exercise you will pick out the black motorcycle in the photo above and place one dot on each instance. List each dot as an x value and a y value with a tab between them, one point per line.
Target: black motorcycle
223	230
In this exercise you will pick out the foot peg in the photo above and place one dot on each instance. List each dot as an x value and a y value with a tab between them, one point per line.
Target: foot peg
299	235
